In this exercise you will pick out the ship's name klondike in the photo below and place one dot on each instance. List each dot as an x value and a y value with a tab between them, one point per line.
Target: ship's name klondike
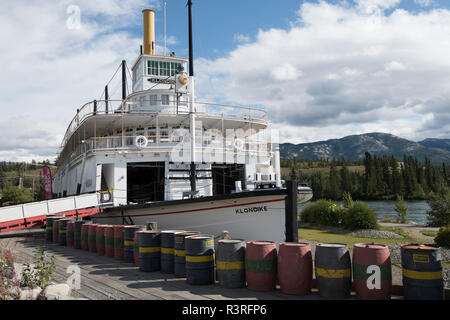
251	210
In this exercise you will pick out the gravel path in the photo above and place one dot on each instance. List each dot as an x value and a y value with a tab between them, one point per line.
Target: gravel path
376	234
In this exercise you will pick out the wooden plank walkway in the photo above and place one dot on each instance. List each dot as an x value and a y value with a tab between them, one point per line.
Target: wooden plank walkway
104	278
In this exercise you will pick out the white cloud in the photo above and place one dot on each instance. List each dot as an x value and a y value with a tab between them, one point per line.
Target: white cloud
51	70
394	66
424	3
238	37
362	70
285	72
376	6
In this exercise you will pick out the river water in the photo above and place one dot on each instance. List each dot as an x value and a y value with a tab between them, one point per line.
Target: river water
417	210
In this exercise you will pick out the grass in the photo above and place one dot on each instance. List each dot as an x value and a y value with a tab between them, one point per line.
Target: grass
326	236
331	237
429	233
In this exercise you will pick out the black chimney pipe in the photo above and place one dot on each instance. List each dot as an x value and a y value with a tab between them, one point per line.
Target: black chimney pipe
106	99
191	47
124	81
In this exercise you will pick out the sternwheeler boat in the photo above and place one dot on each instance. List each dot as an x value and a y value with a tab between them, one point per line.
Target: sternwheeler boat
161	155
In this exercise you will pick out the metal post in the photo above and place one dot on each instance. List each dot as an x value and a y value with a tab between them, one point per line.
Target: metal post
106	99
124	81
191	104
291	211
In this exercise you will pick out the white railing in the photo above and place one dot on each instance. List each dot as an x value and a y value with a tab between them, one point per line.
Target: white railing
175	143
47	207
105	107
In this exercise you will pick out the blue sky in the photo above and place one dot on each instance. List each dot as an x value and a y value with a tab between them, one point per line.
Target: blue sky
322	69
217	22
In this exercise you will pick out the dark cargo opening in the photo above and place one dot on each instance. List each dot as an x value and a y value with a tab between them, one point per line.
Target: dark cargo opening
224	177
145	181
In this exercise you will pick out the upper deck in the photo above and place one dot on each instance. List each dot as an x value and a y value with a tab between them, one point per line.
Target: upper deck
114	124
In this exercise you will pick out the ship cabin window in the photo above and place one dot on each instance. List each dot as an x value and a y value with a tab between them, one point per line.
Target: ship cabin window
140	132
151	132
153	99
152	68
129	133
165	99
164	133
162	68
177	135
118	139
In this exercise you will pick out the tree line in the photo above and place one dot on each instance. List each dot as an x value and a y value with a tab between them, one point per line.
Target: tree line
17	185
383	178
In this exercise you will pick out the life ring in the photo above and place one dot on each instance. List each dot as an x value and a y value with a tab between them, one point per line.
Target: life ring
141	141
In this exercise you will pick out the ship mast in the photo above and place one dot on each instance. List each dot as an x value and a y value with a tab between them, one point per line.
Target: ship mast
191	104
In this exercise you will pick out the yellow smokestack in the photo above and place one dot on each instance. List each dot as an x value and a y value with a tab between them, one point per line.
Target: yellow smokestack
149	31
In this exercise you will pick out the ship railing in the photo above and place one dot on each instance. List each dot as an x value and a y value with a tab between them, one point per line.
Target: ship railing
175	142
161	107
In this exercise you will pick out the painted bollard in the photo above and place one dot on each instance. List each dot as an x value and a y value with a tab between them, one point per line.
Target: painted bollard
333	270
136	249
109	241
55	230
70	234
100	239
92	237
372	272
167	250
180	252
295	270
49	227
230	263
62	231
200	259
85	236
118	242
261	265
128	242
422	272
77	234
149	250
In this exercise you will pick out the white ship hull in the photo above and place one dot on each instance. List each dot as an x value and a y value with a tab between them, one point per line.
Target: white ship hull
247	217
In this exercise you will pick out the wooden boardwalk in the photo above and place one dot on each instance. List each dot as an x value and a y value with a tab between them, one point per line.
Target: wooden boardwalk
104	278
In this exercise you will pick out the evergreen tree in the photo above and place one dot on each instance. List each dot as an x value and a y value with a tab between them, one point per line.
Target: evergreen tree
335	192
401	208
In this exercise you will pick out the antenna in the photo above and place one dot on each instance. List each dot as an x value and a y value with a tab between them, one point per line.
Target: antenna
165	44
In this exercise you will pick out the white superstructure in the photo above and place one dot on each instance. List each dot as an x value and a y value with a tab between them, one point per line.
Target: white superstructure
138	149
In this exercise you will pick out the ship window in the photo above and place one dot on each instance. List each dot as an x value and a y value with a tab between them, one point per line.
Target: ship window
139	131
153	99
164	68
129	141
151	132
165	99
174	68
152	68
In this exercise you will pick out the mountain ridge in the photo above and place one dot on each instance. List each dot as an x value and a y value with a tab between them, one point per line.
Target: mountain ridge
353	147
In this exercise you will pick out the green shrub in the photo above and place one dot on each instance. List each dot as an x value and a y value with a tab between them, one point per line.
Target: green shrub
439	215
360	216
324	212
443	237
